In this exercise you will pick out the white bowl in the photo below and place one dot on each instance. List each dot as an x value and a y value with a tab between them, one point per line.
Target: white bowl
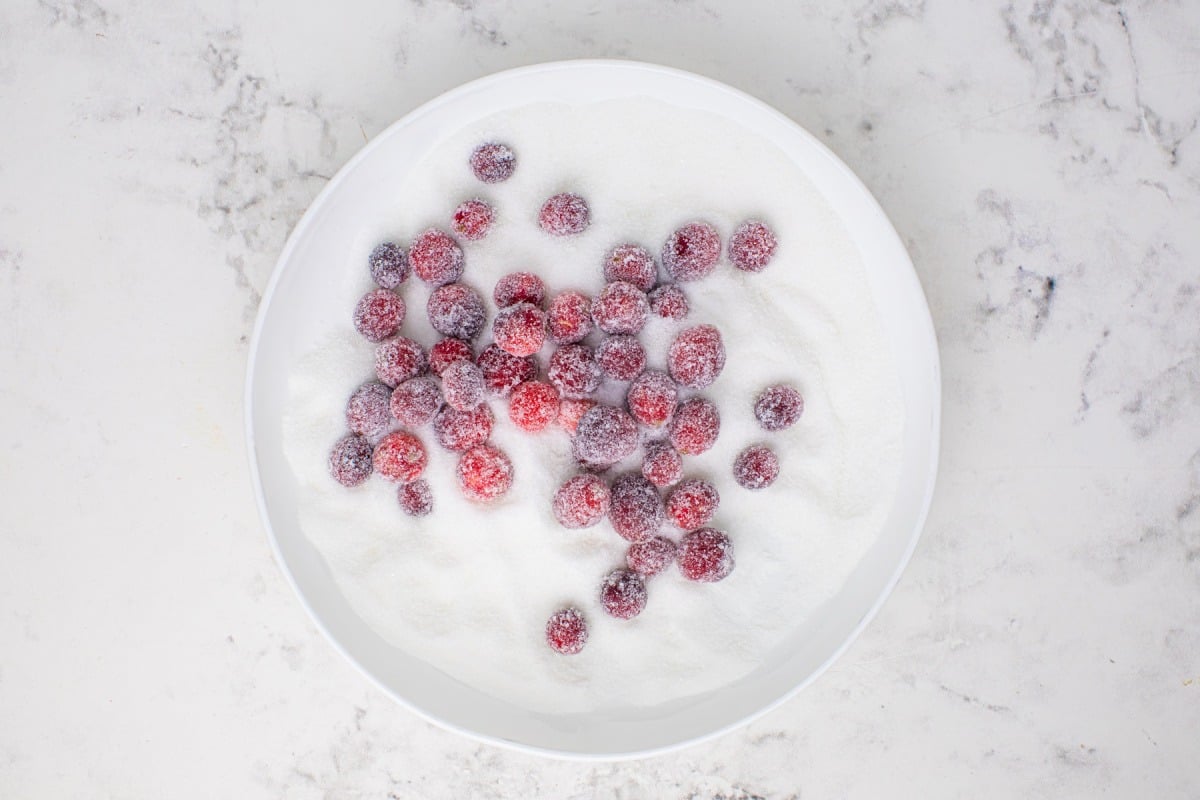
296	289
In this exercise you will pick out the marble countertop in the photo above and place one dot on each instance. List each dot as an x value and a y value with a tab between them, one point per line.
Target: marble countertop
1042	163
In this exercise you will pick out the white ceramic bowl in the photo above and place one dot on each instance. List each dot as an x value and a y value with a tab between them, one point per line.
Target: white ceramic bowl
295	290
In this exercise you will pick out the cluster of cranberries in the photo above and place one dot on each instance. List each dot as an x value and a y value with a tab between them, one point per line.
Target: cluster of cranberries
446	389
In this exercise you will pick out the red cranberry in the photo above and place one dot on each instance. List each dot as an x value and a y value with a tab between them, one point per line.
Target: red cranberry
692	251
695	427
367	409
436	257
484	473
416	401
621	358
416	498
458	431
569	319
635	510
473	219
398	360
533	406
570	411
669	302
652	398
378	314
389	265
696	357
756	467
564	215
705	555
456	310
493	162
752	246
446	352
778	407
620	308
462	385
662	466
623	594
520	330
573	371
519	287
350	460
651	556
633	264
566	631
581	502
693	504
400	456
604	436
502	371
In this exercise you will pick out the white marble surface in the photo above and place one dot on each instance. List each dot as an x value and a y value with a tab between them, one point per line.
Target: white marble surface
1040	159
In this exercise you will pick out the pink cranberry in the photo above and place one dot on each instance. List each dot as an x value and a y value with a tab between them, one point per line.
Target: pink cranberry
566	631
651	556
705	555
623	594
519	287
459	431
520	330
400	456
446	352
416	498
436	258
416	401
473	219
379	314
389	265
635	508
692	251
573	371
484	473
502	371
633	264
565	215
493	162
569	319
669	302
570	411
620	308
662	466
462	385
696	357
693	504
398	360
533	406
456	310
621	358
756	467
604	436
695	427
778	407
581	502
350	460
367	411
652	398
752	246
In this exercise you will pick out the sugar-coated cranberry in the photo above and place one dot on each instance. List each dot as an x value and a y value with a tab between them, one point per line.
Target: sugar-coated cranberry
398	360
695	426
752	246
564	214
473	219
573	371
462	385
436	258
569	319
416	498
456	310
623	594
652	398
502	371
519	287
669	302
778	407
446	352
621	358
633	264
662	465
416	401
493	162
367	410
696	357
620	308
692	504
604	436
389	265
581	502
570	411
378	314
705	555
566	631
400	456
651	556
458	431
756	467
692	252
484	473
635	508
350	460
533	406
520	330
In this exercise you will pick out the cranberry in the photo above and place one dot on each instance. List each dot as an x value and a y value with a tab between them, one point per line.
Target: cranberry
570	317
621	358
493	162
651	556
756	467
458	431
633	264
620	308
533	406
473	219
691	252
778	407
416	498
566	631
695	427
693	504
350	460
752	246
456	310
416	401
502	371
705	555
581	502
635	510
462	384
520	330
400	456
564	215
662	466
652	398
573	371
669	302
519	287
696	357
570	411
398	360
436	257
446	352
367	409
484	473
604	436
623	594
378	314
389	265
